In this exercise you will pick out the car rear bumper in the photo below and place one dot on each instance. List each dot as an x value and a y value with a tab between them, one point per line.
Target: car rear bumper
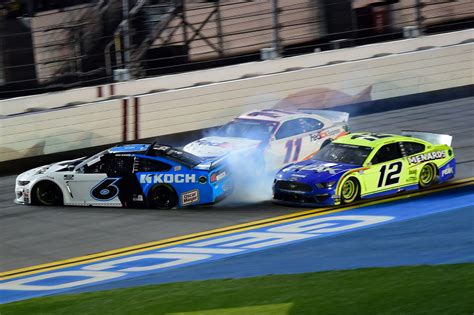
222	190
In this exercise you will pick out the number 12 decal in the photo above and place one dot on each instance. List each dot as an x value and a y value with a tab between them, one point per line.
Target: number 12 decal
290	146
393	174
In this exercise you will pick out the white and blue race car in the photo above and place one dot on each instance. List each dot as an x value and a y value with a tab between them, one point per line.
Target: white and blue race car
273	137
131	175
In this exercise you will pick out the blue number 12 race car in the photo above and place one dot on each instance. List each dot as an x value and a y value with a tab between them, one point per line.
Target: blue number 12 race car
364	165
132	175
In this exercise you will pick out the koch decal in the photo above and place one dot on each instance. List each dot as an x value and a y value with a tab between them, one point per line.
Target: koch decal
167	178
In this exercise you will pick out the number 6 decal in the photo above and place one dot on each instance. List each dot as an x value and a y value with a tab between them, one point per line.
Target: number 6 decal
105	190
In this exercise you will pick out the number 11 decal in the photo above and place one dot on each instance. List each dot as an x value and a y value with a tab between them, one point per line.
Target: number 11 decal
290	146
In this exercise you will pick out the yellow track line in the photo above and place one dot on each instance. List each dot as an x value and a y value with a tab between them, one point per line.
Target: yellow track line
221	231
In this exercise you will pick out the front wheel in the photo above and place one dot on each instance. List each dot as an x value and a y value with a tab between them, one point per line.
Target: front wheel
162	197
47	193
350	190
427	175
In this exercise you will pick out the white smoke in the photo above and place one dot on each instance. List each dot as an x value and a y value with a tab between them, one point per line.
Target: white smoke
252	171
252	180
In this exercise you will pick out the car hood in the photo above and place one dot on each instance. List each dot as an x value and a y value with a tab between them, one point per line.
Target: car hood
314	171
219	146
47	169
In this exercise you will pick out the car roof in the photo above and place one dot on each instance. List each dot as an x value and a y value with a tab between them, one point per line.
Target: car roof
370	139
128	148
275	115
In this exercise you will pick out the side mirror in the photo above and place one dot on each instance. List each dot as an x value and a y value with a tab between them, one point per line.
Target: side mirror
70	168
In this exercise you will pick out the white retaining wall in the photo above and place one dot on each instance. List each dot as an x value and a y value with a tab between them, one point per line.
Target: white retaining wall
135	87
211	105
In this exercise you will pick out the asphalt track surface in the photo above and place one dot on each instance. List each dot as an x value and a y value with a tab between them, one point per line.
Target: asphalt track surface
36	235
440	238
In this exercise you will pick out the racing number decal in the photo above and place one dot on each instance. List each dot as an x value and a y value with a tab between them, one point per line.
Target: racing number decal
290	145
370	136
393	175
105	190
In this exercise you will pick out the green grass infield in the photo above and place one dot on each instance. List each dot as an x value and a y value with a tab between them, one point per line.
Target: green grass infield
439	289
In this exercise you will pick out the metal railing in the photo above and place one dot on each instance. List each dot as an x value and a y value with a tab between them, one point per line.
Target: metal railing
226	32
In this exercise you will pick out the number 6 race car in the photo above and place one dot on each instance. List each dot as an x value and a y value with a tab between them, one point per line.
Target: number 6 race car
273	137
363	165
131	175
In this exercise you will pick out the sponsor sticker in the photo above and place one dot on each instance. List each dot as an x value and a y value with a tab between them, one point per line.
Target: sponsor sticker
137	197
314	137
420	158
323	134
190	197
322	168
26	195
221	175
167	178
447	171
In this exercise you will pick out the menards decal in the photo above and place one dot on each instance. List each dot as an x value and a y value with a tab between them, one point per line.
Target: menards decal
416	159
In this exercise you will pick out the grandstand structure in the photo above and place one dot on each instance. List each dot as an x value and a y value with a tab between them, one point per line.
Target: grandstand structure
54	45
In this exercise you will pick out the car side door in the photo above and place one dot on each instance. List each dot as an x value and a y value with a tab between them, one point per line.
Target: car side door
147	168
386	171
292	141
99	183
409	149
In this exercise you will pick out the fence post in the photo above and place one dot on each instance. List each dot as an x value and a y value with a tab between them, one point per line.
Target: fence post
419	17
275	27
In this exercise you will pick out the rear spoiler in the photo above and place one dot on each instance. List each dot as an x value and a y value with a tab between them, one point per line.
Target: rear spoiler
218	162
434	138
332	115
211	164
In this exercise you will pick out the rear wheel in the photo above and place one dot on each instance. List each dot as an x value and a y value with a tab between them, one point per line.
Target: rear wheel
427	175
350	190
47	193
162	197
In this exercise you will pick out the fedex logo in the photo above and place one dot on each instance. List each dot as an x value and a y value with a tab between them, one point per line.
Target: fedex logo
215	144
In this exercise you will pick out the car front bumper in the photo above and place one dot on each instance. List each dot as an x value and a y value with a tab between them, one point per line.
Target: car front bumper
315	197
22	195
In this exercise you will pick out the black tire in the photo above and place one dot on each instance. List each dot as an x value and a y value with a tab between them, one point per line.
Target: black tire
350	190
47	193
162	197
427	175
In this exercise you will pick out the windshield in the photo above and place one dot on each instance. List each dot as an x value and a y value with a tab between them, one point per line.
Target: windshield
248	128
92	159
343	153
